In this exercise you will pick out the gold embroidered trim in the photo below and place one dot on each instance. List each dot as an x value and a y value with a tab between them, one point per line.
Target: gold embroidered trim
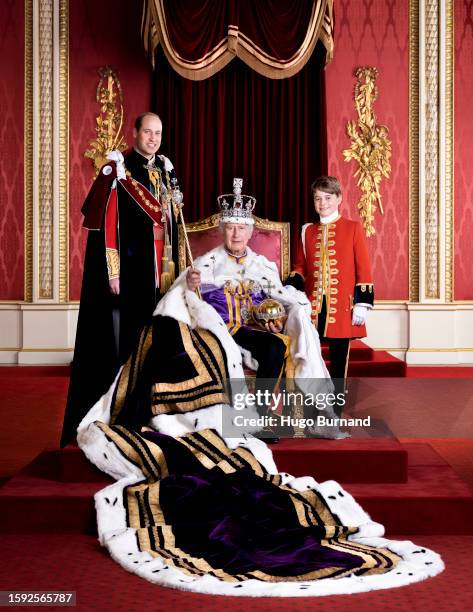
113	263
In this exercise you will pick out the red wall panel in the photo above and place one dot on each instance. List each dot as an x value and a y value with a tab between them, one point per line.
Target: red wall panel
374	33
12	36
101	33
463	151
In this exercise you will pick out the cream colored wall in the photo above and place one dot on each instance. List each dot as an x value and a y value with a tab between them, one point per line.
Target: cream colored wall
430	334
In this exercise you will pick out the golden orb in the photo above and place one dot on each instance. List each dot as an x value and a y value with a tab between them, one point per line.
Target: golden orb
269	311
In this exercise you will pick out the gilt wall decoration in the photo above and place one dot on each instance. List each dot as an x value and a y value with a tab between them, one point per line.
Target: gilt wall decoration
370	147
109	121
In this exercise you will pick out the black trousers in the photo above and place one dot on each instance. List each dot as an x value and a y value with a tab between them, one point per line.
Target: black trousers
269	351
339	349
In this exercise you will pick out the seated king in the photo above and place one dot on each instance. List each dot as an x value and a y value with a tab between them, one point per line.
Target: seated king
270	323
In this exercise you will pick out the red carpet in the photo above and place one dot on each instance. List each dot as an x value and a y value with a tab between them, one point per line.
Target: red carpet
364	361
409	487
64	562
32	410
439	371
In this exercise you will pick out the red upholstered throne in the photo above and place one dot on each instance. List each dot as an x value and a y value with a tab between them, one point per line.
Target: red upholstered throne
270	238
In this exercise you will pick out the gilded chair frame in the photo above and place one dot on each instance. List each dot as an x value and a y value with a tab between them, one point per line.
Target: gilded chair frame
283	227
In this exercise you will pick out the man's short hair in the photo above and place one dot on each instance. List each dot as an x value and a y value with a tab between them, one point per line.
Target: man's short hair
139	119
328	184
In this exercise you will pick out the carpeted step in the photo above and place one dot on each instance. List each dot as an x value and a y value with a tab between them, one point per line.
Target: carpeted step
29	504
24	371
66	465
365	361
358	351
434	500
362	460
345	460
433	494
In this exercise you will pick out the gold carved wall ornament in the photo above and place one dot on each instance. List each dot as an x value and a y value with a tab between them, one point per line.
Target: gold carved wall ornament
370	147
109	121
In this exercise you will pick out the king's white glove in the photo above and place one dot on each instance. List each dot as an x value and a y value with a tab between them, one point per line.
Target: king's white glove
359	315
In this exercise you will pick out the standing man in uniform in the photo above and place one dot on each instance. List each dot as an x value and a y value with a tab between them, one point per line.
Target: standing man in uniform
333	267
129	263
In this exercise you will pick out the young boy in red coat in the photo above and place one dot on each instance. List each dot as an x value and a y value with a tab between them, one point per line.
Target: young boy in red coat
332	266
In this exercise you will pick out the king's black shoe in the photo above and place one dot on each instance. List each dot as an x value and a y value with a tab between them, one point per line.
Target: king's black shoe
267	435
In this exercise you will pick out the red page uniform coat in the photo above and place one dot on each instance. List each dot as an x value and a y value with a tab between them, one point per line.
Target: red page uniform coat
333	259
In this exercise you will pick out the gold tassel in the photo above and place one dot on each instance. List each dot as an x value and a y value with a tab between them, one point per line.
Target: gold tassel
168	274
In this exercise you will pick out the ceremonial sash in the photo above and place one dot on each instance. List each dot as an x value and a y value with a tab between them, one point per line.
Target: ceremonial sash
151	206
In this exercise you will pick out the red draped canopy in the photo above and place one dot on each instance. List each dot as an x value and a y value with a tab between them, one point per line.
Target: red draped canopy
274	37
224	119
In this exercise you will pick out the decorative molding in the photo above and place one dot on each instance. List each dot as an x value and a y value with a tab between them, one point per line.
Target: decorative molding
440	350
45	168
414	174
449	150
45	333
28	153
431	163
431	102
63	147
46	152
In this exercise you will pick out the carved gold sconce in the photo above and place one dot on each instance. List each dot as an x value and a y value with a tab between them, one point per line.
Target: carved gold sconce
370	147
109	121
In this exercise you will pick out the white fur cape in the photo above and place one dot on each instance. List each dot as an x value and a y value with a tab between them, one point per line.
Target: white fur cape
216	269
417	563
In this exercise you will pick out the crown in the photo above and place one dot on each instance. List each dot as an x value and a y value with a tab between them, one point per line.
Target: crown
236	207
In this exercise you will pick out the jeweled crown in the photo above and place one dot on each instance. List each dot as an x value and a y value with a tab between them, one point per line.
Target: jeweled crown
236	207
